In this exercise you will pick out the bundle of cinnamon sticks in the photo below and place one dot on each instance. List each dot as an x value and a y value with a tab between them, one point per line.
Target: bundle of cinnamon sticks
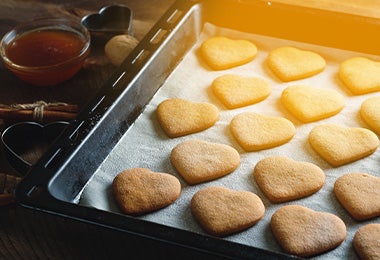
39	111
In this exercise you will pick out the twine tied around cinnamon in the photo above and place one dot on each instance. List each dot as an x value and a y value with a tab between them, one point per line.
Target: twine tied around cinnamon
39	111
37	107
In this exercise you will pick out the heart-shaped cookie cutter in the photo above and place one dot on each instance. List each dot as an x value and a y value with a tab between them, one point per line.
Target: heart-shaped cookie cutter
25	142
110	20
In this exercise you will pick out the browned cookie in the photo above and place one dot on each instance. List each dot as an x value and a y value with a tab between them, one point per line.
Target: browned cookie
222	211
139	190
200	161
367	241
283	179
359	193
179	117
304	232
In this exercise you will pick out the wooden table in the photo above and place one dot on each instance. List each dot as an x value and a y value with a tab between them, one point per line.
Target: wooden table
26	234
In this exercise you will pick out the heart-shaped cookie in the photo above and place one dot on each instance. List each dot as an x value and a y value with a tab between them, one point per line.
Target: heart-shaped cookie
369	111
340	145
257	132
222	211
366	241
360	75
179	117
200	161
236	91
224	53
304	232
138	190
359	193
283	179
290	63
310	104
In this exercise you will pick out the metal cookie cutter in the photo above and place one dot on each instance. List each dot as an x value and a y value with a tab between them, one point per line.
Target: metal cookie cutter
110	20
25	142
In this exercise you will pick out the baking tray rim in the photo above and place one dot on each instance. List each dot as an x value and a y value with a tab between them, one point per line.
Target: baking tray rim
38	196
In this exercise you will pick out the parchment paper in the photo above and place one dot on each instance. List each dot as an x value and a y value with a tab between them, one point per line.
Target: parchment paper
146	145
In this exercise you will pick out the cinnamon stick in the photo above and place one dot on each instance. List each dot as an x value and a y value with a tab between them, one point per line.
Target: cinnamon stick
65	108
39	111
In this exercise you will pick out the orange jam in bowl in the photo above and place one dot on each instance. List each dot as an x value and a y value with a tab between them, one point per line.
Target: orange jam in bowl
46	52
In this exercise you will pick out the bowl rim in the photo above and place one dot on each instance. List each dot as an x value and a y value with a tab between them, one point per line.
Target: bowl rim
64	24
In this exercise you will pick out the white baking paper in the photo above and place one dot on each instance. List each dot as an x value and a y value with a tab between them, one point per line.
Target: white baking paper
146	145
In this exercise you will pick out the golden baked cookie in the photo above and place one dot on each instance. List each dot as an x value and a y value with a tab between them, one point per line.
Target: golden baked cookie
360	75
200	161
359	193
283	179
340	145
179	117
237	91
310	104
369	111
138	190
221	211
290	63
367	241
222	53
257	132
304	232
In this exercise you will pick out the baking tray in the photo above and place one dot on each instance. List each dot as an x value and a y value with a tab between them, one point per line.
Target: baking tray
55	183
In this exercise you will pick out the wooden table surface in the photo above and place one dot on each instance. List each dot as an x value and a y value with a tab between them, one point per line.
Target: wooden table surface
26	234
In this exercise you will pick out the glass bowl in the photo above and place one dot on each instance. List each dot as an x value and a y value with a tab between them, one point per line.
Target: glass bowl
46	52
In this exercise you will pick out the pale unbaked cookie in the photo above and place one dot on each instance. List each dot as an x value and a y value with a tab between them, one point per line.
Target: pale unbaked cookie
257	132
222	211
304	232
119	47
200	161
179	117
360	75
359	193
290	63
237	91
367	241
283	179
224	53
369	111
310	104
340	145
138	190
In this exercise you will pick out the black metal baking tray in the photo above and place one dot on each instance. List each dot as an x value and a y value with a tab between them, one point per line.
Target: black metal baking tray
54	184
